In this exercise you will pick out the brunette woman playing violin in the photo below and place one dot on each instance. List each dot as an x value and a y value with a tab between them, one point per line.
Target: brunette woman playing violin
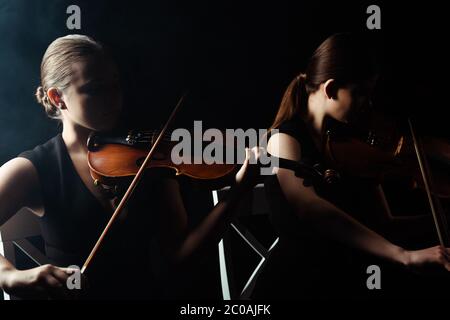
80	87
321	230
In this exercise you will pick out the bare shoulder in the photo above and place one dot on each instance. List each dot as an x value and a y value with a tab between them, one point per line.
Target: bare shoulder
19	168
297	194
284	146
19	187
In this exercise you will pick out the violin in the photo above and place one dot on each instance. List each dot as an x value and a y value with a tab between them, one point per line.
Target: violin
113	157
369	154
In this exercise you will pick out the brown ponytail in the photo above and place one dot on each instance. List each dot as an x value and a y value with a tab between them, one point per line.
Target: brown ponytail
293	100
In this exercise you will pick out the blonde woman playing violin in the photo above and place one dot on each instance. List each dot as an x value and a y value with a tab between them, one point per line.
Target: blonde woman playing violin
80	87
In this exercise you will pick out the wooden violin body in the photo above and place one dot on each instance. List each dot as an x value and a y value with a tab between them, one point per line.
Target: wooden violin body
111	157
371	154
426	162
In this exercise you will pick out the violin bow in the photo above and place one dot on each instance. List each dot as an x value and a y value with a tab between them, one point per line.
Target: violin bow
132	186
439	218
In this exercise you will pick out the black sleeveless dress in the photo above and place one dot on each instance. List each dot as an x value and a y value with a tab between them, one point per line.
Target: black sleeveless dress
74	219
305	265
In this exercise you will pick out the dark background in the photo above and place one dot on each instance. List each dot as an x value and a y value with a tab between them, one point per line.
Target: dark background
235	58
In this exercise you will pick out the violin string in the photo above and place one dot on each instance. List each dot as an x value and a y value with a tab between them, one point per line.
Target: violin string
152	136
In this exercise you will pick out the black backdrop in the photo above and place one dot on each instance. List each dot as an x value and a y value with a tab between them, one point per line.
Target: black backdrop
235	58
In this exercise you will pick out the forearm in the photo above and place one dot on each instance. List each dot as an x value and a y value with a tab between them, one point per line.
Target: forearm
213	226
5	266
334	223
